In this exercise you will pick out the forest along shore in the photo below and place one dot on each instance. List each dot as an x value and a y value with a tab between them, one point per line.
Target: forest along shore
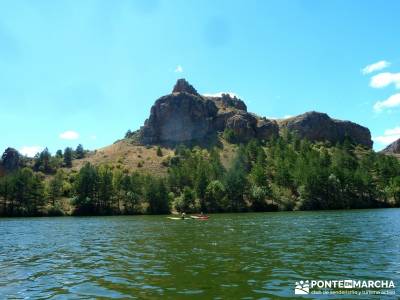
285	173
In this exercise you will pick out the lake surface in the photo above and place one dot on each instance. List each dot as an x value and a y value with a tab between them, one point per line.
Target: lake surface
230	256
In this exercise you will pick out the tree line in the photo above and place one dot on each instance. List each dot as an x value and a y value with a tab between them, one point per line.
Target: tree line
281	174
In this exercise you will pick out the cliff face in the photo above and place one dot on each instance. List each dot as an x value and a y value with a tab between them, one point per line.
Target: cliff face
179	117
184	115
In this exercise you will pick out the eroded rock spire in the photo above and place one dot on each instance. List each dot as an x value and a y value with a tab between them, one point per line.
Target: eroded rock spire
183	86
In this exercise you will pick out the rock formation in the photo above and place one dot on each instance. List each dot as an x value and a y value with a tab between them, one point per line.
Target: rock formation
185	115
316	126
177	118
182	86
393	148
266	128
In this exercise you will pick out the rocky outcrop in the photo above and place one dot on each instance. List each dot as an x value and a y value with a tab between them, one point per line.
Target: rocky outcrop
316	126
182	86
177	118
393	148
185	115
243	125
266	129
226	102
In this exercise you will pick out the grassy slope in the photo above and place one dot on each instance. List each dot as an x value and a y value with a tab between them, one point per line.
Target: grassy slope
133	157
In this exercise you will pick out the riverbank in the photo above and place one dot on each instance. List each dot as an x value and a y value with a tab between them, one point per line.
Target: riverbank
60	213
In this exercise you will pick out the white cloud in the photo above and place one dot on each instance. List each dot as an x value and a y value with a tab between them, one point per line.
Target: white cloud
390	102
69	135
388	137
393	131
386	140
375	67
219	94
178	69
93	137
30	151
384	79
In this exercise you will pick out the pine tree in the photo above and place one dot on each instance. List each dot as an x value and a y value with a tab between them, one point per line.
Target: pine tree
156	195
79	152
56	186
68	157
105	189
10	159
59	153
86	189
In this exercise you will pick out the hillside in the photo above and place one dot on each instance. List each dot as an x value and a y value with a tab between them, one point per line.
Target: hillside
128	155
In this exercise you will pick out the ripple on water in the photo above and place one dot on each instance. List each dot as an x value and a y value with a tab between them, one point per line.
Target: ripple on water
231	256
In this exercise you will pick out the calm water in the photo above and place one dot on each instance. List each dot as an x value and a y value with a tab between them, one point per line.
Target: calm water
231	256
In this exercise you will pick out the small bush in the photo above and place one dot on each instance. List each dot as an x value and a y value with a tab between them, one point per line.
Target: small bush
229	135
159	151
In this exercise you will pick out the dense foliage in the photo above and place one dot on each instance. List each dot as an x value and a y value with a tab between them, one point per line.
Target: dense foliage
283	174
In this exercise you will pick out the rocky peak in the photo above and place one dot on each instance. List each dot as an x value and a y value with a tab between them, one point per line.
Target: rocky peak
182	86
181	116
227	101
393	148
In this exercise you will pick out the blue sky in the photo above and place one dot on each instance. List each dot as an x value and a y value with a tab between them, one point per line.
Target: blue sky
87	71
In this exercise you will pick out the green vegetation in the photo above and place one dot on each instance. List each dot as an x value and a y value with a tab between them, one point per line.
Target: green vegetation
282	174
79	152
229	135
159	151
68	152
